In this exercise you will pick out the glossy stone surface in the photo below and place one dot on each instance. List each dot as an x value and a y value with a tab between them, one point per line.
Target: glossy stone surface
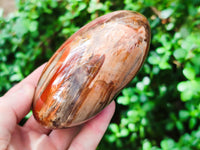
90	68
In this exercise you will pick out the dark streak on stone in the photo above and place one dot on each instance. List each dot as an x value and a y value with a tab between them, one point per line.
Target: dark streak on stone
92	66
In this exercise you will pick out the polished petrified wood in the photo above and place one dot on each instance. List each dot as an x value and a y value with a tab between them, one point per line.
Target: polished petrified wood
90	68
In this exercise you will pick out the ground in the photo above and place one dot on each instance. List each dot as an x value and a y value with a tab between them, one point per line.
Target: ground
8	6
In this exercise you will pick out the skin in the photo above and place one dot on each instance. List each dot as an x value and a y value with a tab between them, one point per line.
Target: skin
16	103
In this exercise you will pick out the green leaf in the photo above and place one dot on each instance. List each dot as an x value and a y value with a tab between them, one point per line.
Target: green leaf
133	116
20	55
127	92
54	3
195	60
147	68
140	86
169	126
134	98
184	114
146	80
155	70
124	132
167	144
164	65
170	26
160	50
192	10
180	53
197	134
183	86
142	132
186	95
133	137
192	123
143	98
132	127
144	121
124	100
146	145
154	59
186	138
82	6
124	121
166	13
132	113
20	27
34	15
179	125
29	115
189	73
148	106
16	77
114	128
111	138
119	143
184	31
33	26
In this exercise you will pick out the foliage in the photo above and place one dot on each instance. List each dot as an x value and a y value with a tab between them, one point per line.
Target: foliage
159	109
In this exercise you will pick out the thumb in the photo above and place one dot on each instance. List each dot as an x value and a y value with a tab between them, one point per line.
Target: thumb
14	105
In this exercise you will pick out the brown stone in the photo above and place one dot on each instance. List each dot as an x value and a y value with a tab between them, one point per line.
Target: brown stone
90	68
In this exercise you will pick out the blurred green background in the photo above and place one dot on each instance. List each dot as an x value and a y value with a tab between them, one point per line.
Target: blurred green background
160	108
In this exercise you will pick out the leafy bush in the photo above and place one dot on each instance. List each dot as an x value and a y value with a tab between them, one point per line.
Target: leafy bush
159	109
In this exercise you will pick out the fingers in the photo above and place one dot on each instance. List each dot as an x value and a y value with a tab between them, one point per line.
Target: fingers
86	136
12	108
33	125
19	98
62	138
34	76
92	132
7	125
32	79
19	101
15	104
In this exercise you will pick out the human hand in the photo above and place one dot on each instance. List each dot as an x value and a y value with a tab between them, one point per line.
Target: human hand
16	103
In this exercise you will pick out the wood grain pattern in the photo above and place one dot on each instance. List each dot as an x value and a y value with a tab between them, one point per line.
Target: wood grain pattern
90	68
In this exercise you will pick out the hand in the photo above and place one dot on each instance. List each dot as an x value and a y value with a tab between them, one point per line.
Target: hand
16	103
